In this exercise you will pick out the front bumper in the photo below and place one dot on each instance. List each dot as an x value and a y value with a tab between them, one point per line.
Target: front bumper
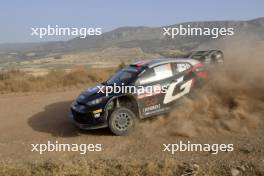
88	126
87	118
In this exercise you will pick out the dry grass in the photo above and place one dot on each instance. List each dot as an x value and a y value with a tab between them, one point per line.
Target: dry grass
100	167
18	81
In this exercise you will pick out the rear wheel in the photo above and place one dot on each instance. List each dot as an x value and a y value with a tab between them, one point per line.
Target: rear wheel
121	121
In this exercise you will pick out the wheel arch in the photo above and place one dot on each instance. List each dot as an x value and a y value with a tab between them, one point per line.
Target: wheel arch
126	100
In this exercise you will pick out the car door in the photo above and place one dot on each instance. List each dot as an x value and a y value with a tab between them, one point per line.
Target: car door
180	85
150	83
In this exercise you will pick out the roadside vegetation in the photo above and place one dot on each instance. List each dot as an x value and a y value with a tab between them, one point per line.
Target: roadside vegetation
18	81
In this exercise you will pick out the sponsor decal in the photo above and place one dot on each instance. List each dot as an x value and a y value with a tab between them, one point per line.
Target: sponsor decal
151	108
185	89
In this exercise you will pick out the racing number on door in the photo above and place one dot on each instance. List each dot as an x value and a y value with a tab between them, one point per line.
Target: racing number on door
185	88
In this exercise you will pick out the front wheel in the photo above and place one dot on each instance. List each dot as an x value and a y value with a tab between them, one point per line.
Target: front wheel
121	121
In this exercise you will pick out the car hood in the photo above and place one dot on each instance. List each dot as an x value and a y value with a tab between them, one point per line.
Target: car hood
90	94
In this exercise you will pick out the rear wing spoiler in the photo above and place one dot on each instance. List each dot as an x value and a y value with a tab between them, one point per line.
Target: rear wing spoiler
207	56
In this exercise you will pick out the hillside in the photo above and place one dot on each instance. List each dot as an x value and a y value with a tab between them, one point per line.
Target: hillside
125	44
152	40
147	38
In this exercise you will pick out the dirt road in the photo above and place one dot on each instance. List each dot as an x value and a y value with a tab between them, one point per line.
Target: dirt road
31	118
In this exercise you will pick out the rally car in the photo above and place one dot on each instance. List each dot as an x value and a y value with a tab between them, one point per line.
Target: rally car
208	56
166	79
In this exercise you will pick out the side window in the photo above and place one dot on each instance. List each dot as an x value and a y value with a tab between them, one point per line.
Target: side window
147	77
175	68
155	74
180	67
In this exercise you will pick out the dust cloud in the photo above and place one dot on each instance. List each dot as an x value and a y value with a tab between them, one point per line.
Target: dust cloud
232	101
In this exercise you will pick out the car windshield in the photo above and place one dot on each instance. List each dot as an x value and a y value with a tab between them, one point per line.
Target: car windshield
123	76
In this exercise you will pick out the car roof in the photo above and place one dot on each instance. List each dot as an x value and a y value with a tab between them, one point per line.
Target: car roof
159	61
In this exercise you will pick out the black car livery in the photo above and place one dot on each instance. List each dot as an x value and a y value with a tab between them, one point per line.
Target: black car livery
157	85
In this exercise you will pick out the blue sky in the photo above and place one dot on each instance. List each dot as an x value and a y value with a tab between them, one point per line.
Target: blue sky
18	16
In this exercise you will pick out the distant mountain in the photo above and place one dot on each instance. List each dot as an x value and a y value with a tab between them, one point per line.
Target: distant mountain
149	39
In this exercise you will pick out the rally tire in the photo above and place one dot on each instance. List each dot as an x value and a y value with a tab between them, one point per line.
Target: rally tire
121	121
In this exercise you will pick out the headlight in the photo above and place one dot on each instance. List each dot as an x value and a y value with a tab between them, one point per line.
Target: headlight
95	101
